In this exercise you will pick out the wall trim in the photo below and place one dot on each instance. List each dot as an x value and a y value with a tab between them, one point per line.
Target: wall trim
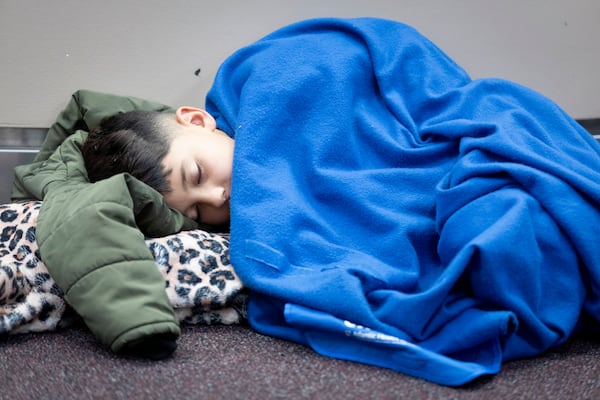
30	139
592	125
24	139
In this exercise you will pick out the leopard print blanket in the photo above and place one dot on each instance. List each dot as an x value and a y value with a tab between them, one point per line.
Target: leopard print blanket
199	279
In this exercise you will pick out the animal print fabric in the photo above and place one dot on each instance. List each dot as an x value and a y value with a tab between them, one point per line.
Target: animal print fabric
199	278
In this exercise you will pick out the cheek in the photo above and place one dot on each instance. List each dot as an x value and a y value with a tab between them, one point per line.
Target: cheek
215	216
174	201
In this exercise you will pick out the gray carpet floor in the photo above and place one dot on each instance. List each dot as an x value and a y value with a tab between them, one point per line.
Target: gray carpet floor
234	362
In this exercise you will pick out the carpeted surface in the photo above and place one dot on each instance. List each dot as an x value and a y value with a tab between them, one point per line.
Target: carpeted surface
234	362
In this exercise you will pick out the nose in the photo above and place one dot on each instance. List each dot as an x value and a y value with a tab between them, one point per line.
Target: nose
215	196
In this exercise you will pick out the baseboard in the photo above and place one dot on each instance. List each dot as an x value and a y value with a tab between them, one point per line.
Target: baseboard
12	138
592	125
30	139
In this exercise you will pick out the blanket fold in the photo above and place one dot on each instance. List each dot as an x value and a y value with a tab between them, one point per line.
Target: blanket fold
376	184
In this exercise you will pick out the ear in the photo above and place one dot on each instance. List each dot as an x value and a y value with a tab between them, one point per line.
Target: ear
187	115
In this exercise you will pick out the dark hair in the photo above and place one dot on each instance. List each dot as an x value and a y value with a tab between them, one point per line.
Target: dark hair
133	142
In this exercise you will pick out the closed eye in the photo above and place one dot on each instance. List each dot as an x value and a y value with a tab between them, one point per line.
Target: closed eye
199	179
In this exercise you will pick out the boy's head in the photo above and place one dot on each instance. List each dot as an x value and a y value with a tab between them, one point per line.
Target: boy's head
181	155
130	142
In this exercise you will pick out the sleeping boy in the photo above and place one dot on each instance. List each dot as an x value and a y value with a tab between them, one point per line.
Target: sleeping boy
182	155
383	206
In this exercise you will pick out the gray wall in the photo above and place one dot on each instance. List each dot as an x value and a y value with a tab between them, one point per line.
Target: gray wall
152	48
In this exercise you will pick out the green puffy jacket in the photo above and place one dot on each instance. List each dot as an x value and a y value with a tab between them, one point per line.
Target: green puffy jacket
91	236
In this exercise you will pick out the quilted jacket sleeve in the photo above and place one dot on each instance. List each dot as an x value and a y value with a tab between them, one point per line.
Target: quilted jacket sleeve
91	237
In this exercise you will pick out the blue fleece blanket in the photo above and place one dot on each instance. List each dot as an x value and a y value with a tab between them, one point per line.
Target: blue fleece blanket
388	209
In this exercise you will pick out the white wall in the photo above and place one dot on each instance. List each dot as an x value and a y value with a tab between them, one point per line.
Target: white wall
151	48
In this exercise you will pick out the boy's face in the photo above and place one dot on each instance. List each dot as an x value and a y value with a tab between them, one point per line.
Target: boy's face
200	161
